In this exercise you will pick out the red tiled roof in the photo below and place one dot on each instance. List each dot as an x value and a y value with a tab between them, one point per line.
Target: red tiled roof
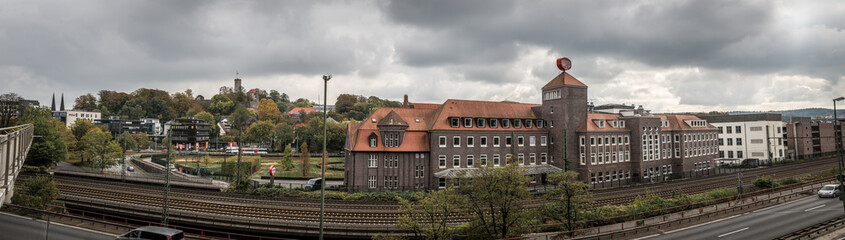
590	125
412	142
676	122
409	115
481	109
564	79
298	109
424	105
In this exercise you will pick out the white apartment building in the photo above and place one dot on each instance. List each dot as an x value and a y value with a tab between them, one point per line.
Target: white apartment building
69	117
751	136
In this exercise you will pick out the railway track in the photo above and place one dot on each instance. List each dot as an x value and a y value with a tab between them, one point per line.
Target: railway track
228	209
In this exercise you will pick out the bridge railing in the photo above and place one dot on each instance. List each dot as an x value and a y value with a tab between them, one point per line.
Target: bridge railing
14	145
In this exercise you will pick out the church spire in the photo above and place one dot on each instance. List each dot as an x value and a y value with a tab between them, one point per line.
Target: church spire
62	106
53	105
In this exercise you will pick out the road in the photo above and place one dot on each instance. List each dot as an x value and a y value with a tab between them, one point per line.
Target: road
767	223
17	227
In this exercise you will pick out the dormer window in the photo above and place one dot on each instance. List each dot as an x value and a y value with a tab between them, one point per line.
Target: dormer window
506	123
455	122
480	122
517	123
467	122
599	123
622	123
528	123
614	124
494	123
374	119
540	123
373	140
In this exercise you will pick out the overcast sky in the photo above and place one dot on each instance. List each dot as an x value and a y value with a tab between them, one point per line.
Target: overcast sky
665	55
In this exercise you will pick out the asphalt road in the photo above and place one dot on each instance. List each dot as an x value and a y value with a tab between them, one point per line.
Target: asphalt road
16	227
767	223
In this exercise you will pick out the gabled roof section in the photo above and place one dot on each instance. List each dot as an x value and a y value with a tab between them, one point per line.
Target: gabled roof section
481	109
416	119
593	118
392	119
676	122
424	105
564	79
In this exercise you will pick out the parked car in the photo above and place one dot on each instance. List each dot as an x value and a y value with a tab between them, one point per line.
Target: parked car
314	184
153	233
130	168
829	191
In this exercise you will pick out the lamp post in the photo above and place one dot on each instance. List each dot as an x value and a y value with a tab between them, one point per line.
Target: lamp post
837	128
167	176
326	79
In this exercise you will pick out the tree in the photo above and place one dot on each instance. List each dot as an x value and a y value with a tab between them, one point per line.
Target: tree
492	197
112	101
287	159
126	141
260	132
346	102
37	192
99	147
142	139
49	148
305	163
428	216
221	105
284	134
86	102
132	110
208	118
238	120
10	108
268	111
155	103
569	197
81	127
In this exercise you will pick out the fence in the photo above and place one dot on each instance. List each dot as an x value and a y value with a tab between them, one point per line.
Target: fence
14	145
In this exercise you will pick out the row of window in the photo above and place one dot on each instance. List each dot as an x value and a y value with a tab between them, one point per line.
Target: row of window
390	160
483	161
470	141
607	157
730	154
390	182
702	166
609	176
455	122
605	140
651	172
730	141
601	123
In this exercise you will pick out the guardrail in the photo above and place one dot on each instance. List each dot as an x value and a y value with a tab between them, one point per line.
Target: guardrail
14	145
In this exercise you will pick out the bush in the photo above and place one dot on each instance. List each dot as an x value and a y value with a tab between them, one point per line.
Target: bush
789	180
37	192
764	182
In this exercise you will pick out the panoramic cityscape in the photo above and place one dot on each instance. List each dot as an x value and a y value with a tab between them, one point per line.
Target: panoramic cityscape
422	120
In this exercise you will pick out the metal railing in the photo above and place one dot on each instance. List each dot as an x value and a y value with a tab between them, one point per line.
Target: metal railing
14	145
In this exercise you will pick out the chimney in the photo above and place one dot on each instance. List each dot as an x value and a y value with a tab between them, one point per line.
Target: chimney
405	102
53	105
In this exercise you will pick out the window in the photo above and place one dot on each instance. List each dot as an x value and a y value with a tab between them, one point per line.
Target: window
528	123
738	154
738	129
543	138
730	154
521	158
592	141
480	122
494	123
520	141
506	123
467	122
371	181
730	141
543	158
441	183
622	123
456	161
483	141
739	141
496	141
540	123
508	141
721	142
532	158
454	122
757	129
677	138
728	130
757	141
601	159
456	141
442	141
543	141
517	123
373	141
470	160
442	159
372	161
593	158
496	159
532	140
470	141
483	159
599	140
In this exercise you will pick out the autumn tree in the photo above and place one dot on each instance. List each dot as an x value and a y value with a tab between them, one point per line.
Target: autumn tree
305	163
260	132
79	129
239	121
86	102
567	199
49	148
113	101
428	216
287	159
100	149
126	141
221	105
284	134
492	197
268	111
142	139
37	192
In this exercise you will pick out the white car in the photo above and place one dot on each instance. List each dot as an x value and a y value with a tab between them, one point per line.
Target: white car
829	191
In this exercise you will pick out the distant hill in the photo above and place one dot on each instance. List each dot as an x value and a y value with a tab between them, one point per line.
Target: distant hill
804	112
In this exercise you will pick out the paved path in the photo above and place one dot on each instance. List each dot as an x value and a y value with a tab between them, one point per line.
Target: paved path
297	183
767	223
17	227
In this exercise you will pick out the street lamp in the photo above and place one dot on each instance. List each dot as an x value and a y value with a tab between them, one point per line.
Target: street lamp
326	79
837	128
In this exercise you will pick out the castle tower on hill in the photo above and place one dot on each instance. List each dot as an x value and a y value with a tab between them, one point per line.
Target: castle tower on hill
238	86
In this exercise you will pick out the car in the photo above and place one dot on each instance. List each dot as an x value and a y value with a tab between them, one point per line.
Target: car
829	191
130	168
314	184
153	233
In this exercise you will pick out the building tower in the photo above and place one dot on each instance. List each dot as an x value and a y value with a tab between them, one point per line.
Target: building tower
53	105
564	109
238	87
62	105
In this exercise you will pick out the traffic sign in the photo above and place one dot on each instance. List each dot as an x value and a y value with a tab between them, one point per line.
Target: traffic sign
273	170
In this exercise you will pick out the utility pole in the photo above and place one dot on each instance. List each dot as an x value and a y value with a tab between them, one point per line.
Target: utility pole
123	169
837	133
167	176
326	79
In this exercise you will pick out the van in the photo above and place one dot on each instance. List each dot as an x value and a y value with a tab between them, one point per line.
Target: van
314	184
153	233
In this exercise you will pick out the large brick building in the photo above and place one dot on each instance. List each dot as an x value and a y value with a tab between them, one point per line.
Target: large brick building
421	146
810	138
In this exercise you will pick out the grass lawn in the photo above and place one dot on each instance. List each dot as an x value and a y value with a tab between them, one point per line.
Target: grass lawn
215	163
